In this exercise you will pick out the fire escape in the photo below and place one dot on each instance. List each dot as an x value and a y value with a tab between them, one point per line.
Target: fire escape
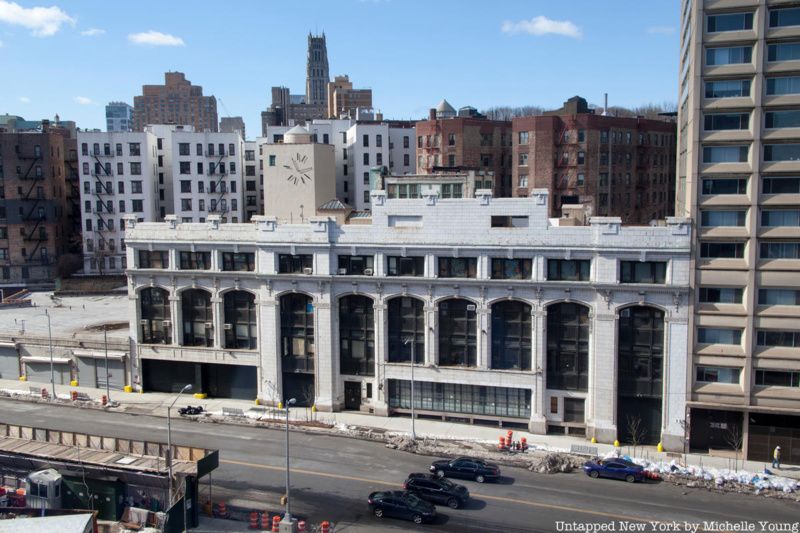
219	205
565	161
74	199
104	206
34	216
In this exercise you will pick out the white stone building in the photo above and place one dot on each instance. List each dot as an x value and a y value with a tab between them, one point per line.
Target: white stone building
510	316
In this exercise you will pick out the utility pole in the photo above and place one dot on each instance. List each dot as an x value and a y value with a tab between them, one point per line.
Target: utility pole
50	341
287	524
187	387
412	340
105	340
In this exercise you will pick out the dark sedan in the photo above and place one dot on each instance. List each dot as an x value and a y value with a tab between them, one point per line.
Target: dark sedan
437	490
466	468
614	469
399	504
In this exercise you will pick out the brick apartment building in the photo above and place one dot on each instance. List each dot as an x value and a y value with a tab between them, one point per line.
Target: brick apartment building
175	102
465	140
35	209
617	166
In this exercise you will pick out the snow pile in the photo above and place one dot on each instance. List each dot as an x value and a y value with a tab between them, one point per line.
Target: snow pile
553	463
711	477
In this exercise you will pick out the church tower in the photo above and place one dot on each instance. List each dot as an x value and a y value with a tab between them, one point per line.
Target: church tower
317	76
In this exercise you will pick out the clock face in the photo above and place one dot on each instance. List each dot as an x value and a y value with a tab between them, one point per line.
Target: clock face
299	170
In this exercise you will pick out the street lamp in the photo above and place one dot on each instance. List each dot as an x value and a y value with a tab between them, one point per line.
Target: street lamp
287	518
187	387
105	340
50	341
413	356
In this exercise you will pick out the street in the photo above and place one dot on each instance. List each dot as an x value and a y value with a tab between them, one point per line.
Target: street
332	476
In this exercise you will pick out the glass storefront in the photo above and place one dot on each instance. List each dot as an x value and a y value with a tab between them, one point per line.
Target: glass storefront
464	399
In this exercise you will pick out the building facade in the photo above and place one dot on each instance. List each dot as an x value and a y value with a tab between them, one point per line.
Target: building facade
739	147
616	166
465	142
556	329
119	117
35	228
317	73
232	125
176	102
344	101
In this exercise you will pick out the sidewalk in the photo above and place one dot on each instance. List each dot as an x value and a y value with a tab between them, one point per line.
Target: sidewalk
155	404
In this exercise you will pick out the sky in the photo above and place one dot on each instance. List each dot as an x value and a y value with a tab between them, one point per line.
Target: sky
71	57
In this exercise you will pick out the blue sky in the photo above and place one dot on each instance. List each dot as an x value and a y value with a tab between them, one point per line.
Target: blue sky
72	57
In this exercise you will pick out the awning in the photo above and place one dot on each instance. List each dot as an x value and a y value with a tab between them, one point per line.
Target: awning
100	354
45	359
8	345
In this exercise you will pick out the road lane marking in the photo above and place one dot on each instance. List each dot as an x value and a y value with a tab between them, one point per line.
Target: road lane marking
484	496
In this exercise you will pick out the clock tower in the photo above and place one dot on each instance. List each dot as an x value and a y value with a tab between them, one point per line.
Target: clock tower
299	176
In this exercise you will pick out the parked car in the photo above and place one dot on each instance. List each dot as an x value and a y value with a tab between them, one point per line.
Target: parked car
466	468
437	490
615	469
400	504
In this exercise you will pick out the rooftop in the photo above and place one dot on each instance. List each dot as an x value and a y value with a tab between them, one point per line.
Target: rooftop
70	317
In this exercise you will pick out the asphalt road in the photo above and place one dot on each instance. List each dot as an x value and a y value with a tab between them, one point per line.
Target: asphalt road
331	477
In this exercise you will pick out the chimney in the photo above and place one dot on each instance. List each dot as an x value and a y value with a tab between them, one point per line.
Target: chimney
432	114
605	105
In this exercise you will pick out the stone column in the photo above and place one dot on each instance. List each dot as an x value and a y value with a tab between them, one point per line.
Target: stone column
270	380
175	312
601	411
327	363
484	318
538	421
431	335
218	321
135	312
676	330
379	402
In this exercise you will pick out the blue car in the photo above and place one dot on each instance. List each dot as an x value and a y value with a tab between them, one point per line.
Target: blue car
615	469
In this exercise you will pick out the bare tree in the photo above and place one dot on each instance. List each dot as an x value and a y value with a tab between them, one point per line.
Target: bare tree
308	398
636	431
507	112
734	438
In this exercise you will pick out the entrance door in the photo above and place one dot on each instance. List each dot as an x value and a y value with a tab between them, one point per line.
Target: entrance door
352	395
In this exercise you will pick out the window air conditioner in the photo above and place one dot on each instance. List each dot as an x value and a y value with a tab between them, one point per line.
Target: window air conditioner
471	307
209	325
308	271
143	322
342	271
367	271
227	327
166	323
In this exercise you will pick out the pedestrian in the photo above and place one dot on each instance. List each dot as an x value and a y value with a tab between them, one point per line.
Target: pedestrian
776	458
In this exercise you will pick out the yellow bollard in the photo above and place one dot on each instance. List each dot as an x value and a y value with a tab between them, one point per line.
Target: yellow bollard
314	408
141	391
127	388
280	405
200	395
73	383
257	401
594	440
616	443
23	378
660	447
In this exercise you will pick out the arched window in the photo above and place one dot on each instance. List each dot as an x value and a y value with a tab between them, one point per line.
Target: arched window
457	333
406	321
357	335
297	333
640	359
155	316
568	347
511	335
240	320
198	320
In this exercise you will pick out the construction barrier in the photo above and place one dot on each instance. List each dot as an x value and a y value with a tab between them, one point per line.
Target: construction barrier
222	511
276	524
104	399
265	521
254	520
502	444
524	443
325	527
73	394
44	393
301	526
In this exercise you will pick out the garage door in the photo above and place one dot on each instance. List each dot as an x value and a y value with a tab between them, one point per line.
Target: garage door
92	372
40	373
9	362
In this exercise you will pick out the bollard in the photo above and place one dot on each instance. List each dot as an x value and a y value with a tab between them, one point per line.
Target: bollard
616	443
594	440
73	395
325	527
301	526
660	447
276	524
44	393
104	399
254	520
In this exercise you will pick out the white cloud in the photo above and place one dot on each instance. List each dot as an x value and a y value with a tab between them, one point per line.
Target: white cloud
662	30
91	32
155	38
24	99
542	25
83	100
42	21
